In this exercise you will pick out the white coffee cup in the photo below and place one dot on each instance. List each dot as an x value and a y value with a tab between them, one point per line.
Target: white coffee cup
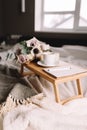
50	58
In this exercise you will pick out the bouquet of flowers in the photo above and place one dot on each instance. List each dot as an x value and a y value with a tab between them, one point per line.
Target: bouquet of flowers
31	50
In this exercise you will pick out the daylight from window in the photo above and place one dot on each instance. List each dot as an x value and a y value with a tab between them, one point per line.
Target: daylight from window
61	15
83	13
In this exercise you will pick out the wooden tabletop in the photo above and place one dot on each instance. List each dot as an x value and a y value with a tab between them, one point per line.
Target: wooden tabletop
39	71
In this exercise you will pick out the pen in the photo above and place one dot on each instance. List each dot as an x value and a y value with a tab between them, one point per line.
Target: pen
59	68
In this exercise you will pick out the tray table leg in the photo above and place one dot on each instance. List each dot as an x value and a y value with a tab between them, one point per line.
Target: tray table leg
56	91
25	73
79	87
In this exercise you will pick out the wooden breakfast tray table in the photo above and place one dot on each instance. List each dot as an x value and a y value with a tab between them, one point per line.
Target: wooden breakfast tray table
41	71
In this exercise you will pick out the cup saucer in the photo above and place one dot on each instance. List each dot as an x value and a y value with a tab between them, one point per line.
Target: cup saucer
44	65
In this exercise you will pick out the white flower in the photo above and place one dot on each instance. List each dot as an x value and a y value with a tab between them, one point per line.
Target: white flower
33	42
30	57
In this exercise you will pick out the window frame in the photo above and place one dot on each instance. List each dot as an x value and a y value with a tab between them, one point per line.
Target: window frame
76	13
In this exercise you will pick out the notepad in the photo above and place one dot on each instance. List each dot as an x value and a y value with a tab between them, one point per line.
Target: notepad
65	70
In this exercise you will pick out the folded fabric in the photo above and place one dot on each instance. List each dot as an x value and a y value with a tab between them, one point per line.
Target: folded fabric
21	91
6	84
12	102
9	76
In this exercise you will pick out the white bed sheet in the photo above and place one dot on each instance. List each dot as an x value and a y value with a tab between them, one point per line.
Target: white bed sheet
46	114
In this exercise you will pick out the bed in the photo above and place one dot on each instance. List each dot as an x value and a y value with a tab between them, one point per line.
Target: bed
27	103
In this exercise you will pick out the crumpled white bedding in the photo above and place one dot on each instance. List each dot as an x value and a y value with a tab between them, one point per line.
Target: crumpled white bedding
46	114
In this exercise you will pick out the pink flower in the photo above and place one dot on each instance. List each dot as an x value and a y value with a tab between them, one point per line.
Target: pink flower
22	58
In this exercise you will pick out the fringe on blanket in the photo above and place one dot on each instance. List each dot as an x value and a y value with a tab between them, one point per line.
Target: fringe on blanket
11	102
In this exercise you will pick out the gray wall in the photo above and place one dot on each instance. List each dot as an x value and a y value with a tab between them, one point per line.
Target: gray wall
16	22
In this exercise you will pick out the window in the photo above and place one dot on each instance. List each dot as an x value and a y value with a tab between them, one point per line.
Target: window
61	15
